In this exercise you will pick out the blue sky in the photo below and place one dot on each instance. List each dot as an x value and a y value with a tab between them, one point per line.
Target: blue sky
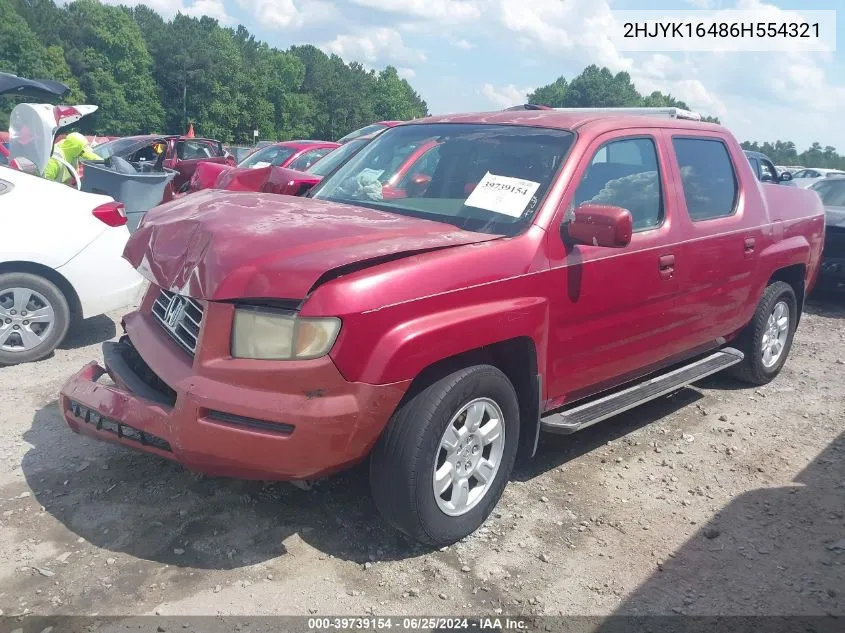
466	55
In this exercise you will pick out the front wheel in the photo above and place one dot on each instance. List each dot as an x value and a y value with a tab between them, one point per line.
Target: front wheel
443	461
767	340
34	318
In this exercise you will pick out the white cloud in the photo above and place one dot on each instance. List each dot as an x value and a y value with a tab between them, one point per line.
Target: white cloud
505	96
169	8
440	10
462	44
406	73
211	8
375	45
578	28
791	93
288	14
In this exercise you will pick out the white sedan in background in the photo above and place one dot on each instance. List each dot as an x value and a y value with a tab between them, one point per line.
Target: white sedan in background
810	176
61	261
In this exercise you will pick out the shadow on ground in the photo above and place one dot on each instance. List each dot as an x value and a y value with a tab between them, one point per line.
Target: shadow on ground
771	551
149	508
827	303
89	332
125	501
555	450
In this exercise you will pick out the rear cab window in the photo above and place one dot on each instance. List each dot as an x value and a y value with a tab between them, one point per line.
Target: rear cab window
708	177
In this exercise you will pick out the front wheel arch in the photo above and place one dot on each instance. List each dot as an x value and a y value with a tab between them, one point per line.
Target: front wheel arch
404	466
517	359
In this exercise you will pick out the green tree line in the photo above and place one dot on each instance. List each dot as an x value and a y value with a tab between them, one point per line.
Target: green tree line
599	88
150	75
785	153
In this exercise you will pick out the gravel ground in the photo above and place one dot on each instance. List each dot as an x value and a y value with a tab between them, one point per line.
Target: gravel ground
718	500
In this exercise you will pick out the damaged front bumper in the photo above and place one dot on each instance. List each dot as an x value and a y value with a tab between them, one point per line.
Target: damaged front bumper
306	426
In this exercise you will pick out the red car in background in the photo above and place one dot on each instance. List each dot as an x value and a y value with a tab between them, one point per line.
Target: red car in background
407	171
257	166
181	154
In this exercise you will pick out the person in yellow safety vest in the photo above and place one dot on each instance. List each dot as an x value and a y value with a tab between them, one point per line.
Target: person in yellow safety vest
70	149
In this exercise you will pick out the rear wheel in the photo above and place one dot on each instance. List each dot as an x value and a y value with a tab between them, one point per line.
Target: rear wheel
766	341
34	317
441	465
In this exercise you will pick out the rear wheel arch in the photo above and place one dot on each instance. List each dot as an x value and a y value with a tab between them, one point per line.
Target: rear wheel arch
795	276
53	276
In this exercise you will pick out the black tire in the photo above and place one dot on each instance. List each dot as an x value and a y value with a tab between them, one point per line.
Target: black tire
61	316
752	370
402	463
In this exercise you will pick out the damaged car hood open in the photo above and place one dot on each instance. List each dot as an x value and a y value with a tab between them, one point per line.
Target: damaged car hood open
236	245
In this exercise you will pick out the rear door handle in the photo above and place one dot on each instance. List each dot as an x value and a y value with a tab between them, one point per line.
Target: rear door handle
750	244
666	265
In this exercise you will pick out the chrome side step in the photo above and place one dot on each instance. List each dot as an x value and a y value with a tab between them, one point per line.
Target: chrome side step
584	415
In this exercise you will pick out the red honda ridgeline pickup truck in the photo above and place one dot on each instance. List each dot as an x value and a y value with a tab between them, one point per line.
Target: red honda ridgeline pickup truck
558	268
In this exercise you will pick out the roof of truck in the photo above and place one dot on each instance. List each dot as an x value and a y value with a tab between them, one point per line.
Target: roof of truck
564	120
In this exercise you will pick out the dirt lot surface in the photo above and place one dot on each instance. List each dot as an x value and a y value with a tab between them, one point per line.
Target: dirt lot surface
718	500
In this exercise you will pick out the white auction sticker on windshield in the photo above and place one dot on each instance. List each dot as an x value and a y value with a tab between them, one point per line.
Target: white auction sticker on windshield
502	194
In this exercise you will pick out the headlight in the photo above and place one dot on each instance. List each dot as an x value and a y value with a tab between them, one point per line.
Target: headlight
264	334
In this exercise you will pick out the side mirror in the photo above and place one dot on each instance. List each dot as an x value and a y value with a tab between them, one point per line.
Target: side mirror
599	225
785	177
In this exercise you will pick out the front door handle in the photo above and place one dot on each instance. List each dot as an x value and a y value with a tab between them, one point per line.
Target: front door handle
666	265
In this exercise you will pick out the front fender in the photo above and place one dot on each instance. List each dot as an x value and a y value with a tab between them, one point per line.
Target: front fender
402	351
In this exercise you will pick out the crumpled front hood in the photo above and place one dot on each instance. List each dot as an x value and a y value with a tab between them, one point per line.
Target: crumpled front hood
231	245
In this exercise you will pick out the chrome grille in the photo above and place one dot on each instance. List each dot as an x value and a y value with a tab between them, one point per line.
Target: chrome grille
180	316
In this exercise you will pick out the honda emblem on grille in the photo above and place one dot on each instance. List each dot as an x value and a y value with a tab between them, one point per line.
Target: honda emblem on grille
175	310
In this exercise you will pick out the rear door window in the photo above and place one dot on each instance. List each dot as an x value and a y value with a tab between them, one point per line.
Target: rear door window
708	177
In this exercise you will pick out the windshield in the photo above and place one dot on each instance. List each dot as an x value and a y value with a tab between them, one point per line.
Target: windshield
832	192
478	177
325	165
375	127
274	155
